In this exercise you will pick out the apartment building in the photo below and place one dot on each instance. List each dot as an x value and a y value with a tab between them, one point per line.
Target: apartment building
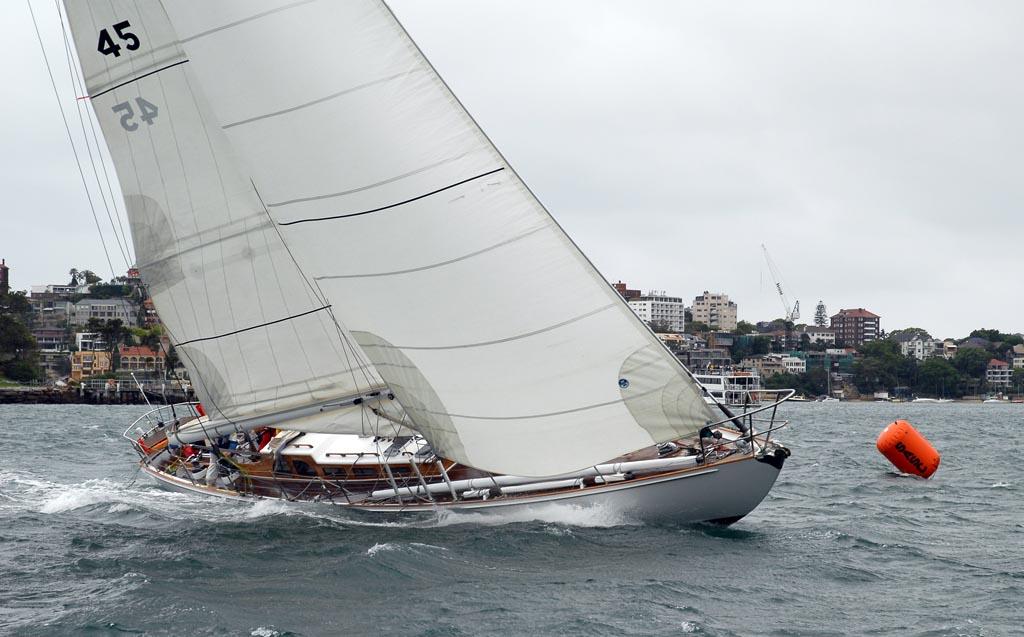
855	327
714	310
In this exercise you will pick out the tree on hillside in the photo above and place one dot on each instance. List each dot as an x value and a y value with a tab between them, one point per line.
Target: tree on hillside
744	327
73	273
696	327
995	336
972	361
16	304
1018	380
821	318
18	353
883	367
938	377
661	327
909	331
88	276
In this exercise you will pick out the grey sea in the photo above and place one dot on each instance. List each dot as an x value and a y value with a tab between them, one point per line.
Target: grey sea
842	546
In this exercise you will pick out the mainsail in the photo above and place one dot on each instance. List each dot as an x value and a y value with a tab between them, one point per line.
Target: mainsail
504	345
258	339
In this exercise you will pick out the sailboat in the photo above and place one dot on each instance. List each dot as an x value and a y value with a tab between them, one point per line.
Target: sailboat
374	310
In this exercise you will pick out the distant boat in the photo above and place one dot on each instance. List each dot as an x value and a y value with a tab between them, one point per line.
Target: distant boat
932	400
732	387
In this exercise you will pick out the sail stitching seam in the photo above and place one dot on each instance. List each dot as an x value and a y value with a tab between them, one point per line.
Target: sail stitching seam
438	264
253	327
390	180
319	100
394	205
501	340
136	79
553	413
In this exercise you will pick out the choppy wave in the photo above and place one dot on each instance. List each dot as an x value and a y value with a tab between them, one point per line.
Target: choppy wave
841	542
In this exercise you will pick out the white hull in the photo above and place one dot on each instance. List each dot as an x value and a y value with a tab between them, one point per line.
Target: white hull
723	492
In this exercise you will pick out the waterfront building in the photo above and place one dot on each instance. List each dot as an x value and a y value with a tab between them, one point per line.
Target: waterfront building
701	359
675	342
998	373
714	310
105	310
855	327
85	364
657	309
140	358
772	364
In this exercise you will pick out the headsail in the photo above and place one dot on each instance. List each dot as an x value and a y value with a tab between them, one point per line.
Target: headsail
502	342
258	338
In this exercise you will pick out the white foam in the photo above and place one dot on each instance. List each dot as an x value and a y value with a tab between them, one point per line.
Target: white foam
69	498
381	547
377	548
594	516
689	627
267	508
1001	485
263	631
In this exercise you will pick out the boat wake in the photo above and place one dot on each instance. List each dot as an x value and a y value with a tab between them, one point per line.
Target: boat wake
117	499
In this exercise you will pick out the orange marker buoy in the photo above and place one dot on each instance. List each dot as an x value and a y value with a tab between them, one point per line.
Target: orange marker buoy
908	450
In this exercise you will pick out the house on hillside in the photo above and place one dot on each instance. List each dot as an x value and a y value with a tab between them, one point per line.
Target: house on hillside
998	374
918	345
85	364
139	358
105	310
1016	357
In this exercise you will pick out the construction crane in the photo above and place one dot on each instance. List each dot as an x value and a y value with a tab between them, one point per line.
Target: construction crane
792	312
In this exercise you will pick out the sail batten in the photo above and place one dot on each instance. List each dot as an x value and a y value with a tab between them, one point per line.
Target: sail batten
395	205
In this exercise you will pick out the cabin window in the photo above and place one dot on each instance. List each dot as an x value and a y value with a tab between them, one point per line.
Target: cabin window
303	468
364	472
334	472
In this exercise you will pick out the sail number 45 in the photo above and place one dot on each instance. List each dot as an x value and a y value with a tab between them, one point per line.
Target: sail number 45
107	46
147	113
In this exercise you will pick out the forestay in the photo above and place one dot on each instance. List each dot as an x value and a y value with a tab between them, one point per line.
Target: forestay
506	347
256	337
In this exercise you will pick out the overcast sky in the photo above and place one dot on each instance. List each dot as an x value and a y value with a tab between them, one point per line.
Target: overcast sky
874	147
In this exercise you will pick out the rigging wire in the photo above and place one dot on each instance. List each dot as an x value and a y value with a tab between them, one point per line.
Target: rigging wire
78	85
318	294
71	140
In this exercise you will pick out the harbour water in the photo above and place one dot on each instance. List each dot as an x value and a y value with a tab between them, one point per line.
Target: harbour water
841	546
